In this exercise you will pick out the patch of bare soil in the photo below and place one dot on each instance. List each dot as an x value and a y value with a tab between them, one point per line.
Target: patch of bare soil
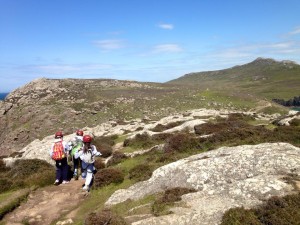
48	204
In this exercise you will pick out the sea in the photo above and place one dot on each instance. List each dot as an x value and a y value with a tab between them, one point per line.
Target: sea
3	95
296	108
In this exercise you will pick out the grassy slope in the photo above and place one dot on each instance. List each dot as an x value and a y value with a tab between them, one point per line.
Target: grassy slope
262	77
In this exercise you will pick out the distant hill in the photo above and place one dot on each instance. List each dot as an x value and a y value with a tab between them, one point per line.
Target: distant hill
43	106
263	77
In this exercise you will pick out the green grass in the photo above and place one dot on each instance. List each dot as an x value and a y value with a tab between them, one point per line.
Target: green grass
11	200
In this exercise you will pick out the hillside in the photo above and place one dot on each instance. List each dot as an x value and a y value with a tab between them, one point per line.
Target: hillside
44	106
187	168
260	77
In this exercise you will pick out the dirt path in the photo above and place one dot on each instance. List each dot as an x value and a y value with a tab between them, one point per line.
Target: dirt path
48	204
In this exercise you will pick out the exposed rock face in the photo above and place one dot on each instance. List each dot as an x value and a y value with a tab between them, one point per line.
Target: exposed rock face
224	178
39	149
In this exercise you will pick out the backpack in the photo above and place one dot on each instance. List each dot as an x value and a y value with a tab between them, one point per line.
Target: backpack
58	151
77	145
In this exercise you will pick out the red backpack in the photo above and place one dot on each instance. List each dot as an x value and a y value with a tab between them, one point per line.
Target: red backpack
58	151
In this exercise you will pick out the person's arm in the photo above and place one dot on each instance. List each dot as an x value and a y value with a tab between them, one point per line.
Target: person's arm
51	150
95	151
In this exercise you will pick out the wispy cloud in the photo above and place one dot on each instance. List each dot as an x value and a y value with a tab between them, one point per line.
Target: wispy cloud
166	26
109	44
295	31
61	69
167	48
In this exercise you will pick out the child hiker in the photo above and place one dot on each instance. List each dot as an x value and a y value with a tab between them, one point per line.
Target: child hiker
87	155
75	144
58	152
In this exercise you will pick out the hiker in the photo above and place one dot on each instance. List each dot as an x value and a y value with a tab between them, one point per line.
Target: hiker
87	155
59	152
74	145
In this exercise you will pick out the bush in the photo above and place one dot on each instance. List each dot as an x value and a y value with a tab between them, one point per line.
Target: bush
107	176
280	210
181	142
41	179
99	164
5	185
174	194
105	217
106	150
295	122
25	167
170	196
140	172
29	172
276	211
160	127
240	216
107	140
3	167
104	145
116	158
139	141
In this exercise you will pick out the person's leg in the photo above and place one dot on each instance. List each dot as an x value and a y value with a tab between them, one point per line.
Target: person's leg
83	169
58	172
75	173
79	167
89	177
64	170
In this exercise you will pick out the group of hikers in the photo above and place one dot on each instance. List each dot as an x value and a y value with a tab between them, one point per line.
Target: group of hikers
82	154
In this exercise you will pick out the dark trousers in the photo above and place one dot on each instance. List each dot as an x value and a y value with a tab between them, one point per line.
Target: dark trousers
76	164
62	169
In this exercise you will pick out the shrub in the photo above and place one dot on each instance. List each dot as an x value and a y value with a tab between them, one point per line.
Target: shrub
181	142
25	167
104	145
107	176
174	194
5	184
104	217
99	164
160	205
107	140
240	216
295	122
276	211
116	158
3	167
280	210
41	179
140	172
106	150
139	141
30	172
160	127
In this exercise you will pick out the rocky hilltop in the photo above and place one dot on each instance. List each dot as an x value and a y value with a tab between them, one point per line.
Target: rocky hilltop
44	106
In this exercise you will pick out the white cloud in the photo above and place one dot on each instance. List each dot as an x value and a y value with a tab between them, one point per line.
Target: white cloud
60	69
167	48
110	44
295	31
166	26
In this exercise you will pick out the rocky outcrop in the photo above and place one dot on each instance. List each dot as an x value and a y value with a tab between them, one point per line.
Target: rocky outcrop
224	178
43	106
40	148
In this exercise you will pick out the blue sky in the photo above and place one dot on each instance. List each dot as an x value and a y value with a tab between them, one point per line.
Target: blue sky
142	40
